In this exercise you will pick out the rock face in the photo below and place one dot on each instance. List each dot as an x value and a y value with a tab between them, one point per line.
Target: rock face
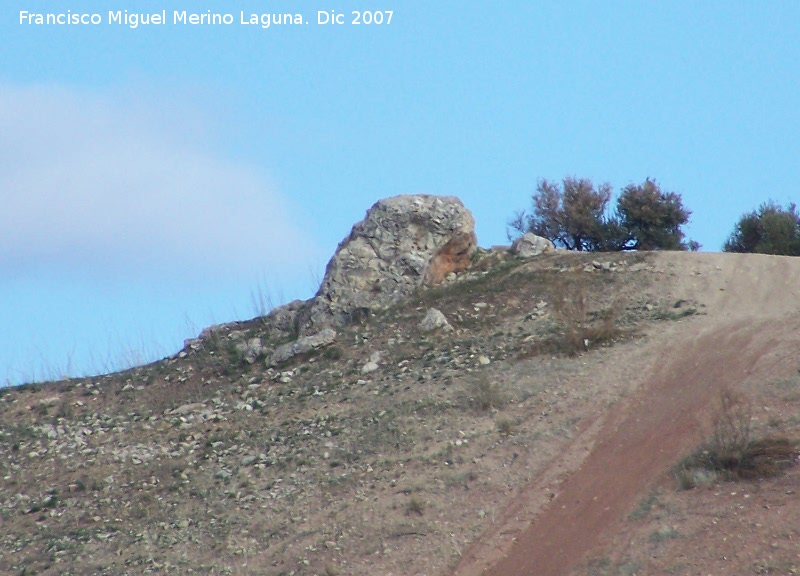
453	257
402	243
529	245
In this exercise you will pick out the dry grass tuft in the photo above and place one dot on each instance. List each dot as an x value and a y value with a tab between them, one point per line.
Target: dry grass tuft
732	454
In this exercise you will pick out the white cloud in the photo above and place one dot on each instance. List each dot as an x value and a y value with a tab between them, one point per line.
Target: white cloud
100	179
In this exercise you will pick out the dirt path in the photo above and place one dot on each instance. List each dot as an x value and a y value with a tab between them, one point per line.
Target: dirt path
751	309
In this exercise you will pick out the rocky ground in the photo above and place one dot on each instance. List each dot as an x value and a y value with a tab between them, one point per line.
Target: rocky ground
400	451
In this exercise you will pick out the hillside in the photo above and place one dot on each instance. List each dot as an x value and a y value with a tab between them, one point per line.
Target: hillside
540	436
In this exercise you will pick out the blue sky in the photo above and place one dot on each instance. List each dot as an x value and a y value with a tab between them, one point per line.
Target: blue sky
156	180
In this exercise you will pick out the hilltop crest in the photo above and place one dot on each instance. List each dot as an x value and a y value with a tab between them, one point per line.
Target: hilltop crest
538	434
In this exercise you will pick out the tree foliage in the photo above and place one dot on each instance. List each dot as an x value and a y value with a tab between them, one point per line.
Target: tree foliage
651	219
575	215
570	215
771	229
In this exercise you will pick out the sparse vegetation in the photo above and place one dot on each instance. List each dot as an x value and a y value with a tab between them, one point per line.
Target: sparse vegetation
679	309
486	395
505	426
584	325
662	534
644	506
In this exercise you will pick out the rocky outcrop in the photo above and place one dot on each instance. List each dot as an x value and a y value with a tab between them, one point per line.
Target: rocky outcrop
402	243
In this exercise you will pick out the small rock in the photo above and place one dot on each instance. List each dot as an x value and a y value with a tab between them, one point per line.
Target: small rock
187	408
247	460
529	245
303	345
483	360
369	367
251	350
434	320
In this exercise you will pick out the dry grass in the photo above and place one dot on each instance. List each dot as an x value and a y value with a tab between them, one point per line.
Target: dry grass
585	323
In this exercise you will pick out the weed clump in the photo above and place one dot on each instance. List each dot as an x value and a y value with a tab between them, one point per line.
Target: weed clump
415	506
732	453
486	395
505	427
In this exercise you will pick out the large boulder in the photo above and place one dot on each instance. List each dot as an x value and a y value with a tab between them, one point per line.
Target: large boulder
402	243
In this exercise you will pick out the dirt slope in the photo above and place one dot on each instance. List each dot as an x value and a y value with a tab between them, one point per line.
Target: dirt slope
750	333
489	449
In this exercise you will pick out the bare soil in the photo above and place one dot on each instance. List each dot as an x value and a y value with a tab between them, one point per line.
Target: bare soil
748	338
